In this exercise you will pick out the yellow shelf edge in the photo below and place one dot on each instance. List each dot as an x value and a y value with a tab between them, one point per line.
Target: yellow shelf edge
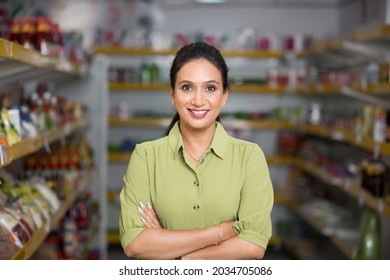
31	145
16	52
140	121
371	33
117	50
118	156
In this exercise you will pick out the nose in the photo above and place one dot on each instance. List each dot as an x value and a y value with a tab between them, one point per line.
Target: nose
198	99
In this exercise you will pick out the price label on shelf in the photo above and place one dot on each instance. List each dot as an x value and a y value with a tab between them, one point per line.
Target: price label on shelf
46	143
3	154
337	135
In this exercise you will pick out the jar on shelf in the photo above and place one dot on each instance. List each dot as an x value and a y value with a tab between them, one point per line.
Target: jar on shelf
373	177
379	125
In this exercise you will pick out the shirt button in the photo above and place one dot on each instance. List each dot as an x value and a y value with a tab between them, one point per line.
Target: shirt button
196	207
196	183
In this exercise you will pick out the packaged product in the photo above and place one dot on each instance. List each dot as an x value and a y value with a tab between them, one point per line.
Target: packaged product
7	244
14	227
46	192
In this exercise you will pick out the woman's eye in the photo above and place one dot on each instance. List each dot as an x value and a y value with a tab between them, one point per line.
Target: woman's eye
210	88
186	88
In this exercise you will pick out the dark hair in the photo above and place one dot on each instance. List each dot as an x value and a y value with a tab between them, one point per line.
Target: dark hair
193	51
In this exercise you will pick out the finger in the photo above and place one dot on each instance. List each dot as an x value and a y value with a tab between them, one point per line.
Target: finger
148	210
149	223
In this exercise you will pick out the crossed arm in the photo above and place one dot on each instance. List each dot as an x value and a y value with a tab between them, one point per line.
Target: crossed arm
216	242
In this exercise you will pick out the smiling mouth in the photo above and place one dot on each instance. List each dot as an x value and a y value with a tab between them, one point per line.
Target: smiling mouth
198	113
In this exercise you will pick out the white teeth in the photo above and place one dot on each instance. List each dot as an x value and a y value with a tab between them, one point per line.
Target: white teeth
199	112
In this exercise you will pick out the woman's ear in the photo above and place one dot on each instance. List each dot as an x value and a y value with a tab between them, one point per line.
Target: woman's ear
225	98
172	97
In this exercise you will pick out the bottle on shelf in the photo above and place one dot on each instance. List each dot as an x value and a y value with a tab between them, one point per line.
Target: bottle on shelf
27	33
373	177
14	35
43	36
370	236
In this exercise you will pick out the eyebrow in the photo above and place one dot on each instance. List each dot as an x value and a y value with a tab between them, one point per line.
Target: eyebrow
207	82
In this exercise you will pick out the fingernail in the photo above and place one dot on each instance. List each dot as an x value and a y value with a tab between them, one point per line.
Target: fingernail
142	205
139	209
150	206
143	220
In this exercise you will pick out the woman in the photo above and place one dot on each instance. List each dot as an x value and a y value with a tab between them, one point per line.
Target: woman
197	187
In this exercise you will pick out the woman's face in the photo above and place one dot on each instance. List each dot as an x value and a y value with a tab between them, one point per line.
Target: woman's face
198	94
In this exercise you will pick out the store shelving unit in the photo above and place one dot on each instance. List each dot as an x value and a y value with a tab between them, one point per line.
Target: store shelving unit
19	66
40	235
31	145
348	52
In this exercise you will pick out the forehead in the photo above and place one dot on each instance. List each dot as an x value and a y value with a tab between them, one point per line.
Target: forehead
198	67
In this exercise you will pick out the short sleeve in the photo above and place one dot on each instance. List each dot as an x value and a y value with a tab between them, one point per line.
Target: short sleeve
257	197
134	191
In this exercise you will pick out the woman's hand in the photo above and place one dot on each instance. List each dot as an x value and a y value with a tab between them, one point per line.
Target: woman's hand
149	218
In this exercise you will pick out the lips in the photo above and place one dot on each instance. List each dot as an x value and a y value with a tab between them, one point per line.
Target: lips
198	113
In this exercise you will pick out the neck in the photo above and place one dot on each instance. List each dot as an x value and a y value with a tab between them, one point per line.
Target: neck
197	138
197	142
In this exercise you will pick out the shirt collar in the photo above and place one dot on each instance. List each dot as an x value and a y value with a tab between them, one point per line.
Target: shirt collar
218	145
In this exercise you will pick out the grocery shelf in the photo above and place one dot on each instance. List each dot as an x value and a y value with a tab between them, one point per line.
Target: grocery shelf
31	145
256	124
118	156
19	63
379	89
253	54
346	136
344	245
40	235
279	159
351	188
138	87
372	94
377	32
117	50
322	47
130	51
348	247
32	245
140	121
71	197
301	249
324	89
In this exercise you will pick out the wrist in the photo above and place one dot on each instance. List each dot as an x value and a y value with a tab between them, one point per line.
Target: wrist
219	235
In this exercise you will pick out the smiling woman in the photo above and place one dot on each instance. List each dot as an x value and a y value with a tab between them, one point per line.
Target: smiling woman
197	193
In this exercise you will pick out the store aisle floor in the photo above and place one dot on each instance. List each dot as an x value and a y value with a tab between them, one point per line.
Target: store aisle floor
115	252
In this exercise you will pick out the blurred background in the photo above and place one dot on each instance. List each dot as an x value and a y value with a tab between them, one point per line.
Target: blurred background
82	82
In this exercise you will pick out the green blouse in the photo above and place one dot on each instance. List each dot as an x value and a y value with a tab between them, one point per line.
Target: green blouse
231	183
